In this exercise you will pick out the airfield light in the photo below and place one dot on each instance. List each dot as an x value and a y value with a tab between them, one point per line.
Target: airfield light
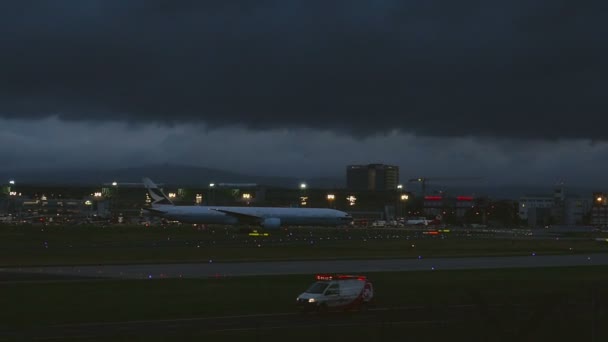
400	186
351	199
405	197
303	186
246	196
11	182
88	202
211	185
114	183
331	197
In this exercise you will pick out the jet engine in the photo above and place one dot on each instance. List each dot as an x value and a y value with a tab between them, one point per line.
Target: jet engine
271	223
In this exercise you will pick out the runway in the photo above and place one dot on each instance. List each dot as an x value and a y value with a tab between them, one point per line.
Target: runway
211	269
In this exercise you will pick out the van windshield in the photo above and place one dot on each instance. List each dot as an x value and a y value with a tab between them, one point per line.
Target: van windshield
317	287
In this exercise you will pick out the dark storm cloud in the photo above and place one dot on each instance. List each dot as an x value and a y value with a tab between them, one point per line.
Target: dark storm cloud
532	69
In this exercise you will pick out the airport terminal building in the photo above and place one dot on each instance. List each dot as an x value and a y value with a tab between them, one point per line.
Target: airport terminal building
123	202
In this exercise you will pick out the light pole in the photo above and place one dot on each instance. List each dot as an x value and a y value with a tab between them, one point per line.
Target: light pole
211	194
403	198
330	199
398	204
303	197
11	192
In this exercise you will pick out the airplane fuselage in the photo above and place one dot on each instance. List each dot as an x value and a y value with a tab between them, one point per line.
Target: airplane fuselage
252	215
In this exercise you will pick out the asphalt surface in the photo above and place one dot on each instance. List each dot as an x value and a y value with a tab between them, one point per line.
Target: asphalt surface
211	269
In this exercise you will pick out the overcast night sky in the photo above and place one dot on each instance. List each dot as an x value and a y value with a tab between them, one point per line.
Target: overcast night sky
515	91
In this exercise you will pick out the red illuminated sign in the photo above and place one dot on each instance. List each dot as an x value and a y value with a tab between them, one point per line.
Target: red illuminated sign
464	198
338	277
433	198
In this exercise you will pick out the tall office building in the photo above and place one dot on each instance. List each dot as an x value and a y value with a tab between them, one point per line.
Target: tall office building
375	177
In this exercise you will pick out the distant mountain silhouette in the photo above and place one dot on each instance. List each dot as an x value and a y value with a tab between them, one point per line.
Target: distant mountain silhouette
160	173
172	174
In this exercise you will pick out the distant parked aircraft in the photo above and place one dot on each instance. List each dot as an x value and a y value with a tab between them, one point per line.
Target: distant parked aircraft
421	221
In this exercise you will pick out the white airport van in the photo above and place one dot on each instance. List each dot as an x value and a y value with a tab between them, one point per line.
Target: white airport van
337	292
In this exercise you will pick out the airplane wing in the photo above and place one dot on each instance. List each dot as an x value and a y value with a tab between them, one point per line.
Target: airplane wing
241	216
154	211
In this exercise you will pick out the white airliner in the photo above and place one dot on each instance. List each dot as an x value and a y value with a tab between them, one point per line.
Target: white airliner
267	217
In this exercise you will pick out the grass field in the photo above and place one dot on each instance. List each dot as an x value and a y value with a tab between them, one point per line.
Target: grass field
37	245
30	304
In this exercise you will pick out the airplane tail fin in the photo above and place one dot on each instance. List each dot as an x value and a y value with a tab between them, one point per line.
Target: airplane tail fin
157	195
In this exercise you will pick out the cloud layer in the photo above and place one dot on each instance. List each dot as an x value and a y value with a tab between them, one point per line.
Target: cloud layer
515	69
